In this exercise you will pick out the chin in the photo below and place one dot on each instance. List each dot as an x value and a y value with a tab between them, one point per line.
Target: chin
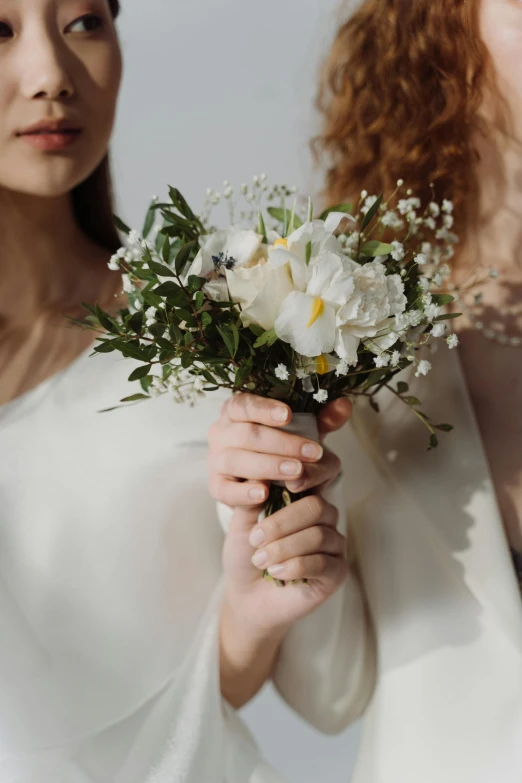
48	177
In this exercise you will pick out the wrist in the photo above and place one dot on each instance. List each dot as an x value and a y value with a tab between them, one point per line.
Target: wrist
256	626
248	654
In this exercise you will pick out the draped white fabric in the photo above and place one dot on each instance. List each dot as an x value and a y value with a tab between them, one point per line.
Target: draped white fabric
110	569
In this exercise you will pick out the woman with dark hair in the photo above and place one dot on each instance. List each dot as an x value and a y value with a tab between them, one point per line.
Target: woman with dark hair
110	551
428	91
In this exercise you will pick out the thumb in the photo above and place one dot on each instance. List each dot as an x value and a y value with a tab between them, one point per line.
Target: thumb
334	416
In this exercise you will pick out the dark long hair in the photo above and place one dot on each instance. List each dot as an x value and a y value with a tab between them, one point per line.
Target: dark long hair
93	199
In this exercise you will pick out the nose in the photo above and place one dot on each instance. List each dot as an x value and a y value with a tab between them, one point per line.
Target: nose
47	76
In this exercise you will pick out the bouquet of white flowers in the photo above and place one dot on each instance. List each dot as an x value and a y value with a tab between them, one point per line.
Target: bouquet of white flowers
281	304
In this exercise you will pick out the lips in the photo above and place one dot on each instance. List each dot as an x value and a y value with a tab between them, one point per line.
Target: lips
51	135
47	127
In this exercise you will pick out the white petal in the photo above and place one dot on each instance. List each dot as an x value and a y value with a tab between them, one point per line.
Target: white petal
300	274
347	345
196	268
238	245
334	220
217	290
266	306
323	269
293	325
245	283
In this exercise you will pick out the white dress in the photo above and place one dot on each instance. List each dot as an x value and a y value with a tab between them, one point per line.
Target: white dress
110	569
436	664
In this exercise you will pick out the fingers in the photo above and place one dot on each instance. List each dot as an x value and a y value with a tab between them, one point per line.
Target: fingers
320	540
301	539
266	440
322	473
330	570
334	416
250	407
250	465
235	493
302	515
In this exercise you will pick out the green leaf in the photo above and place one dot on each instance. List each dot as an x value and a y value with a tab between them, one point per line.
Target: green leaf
402	387
139	372
284	216
149	220
195	283
442	299
106	321
291	222
243	373
165	345
256	329
132	349
267	338
206	319
157	330
445	427
135	322
411	401
105	347
170	288
181	204
447	317
375	248
228	340
167	356
262	227
200	300
135	398
176	335
120	225
183	256
434	442
235	335
161	269
371	213
347	208
165	251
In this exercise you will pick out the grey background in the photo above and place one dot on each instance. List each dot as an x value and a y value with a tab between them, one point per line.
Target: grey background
214	90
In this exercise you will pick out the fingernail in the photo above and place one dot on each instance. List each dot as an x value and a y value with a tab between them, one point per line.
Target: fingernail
257	537
312	451
276	570
257	493
279	414
294	486
260	559
290	468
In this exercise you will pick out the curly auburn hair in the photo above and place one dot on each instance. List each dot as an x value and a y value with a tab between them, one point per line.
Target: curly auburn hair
400	97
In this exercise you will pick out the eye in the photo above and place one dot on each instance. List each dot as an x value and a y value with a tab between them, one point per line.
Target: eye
5	30
90	23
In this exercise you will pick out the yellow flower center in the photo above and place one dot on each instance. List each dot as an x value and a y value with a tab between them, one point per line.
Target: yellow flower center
317	311
281	243
322	365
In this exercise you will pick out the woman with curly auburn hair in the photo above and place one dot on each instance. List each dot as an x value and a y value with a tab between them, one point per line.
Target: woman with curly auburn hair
428	91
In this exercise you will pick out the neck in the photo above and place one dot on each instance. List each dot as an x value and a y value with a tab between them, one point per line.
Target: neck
47	264
496	240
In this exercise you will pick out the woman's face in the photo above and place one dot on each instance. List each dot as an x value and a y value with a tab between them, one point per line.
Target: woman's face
60	71
501	29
